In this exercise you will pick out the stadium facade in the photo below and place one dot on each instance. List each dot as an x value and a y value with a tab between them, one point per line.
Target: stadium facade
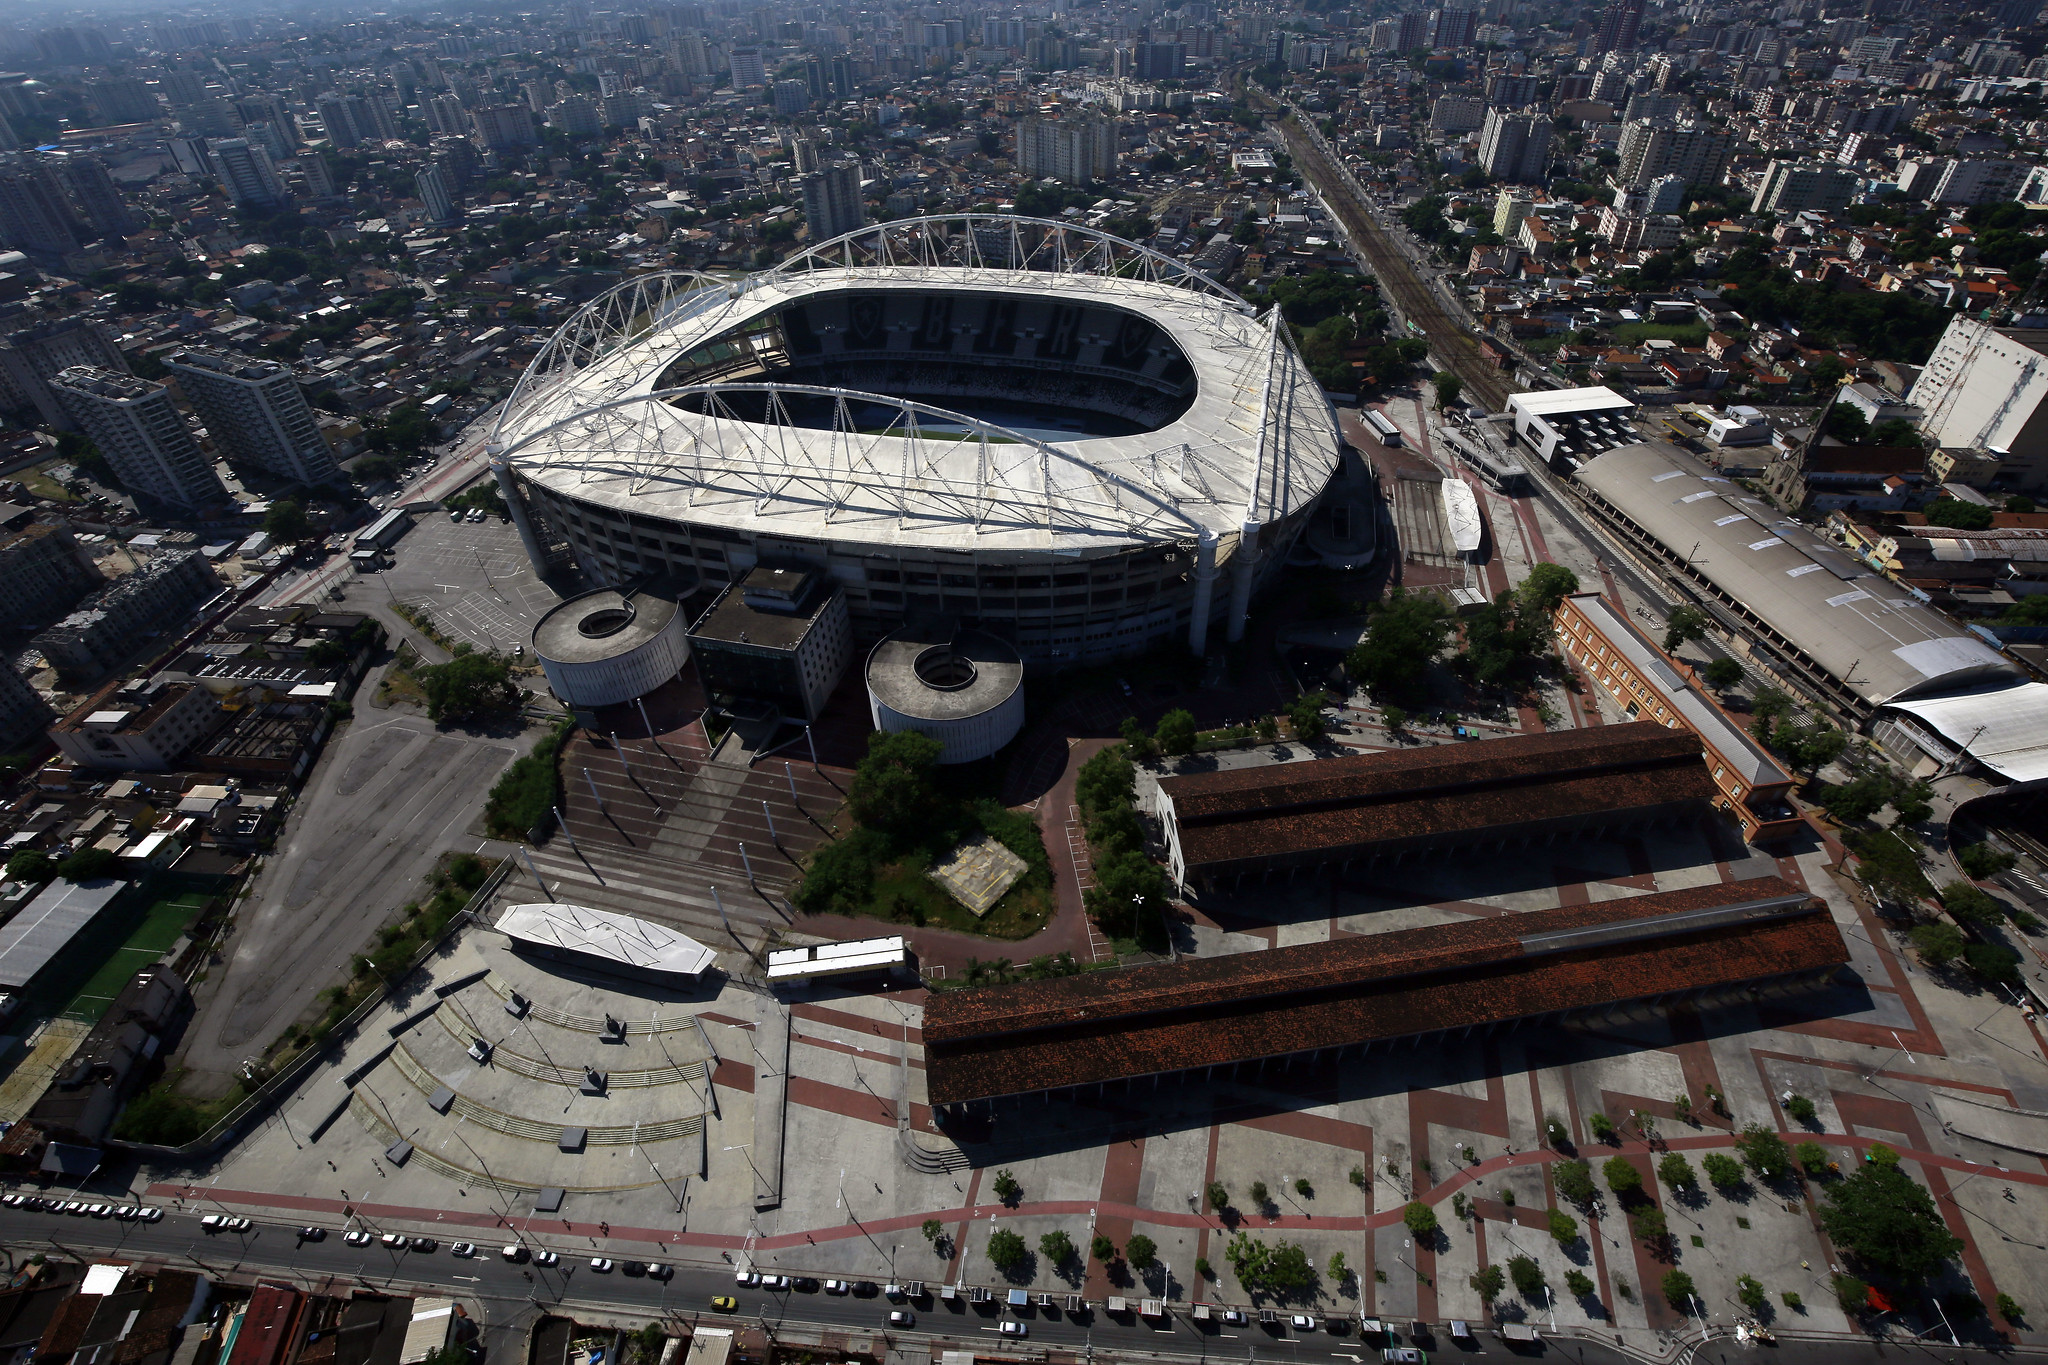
1044	432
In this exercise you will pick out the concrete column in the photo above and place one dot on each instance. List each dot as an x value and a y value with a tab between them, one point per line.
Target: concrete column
1205	592
501	470
1241	579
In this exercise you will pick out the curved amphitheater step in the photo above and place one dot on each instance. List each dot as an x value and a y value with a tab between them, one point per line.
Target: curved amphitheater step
462	1030
375	1124
542	1130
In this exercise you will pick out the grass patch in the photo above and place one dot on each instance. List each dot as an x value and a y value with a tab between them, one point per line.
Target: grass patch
39	482
856	875
400	684
1685	334
161	1116
529	789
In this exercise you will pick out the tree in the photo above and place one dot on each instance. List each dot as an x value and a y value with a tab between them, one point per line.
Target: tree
1527	1275
1764	1152
1602	1127
1887	1220
469	685
1724	1170
1674	1170
1219	1197
1006	1187
1564	1228
1340	1269
894	789
1448	387
1260	1194
1006	1251
1057	1248
1827	372
88	864
1684	625
1489	1281
1678	1289
30	865
1129	896
286	523
1420	1218
932	1229
1102	1249
1176	732
1938	944
1723	673
1812	1158
1994	962
1306	714
1888	866
1141	1251
1622	1176
1802	1109
1139	746
1984	862
1105	780
1970	904
1957	514
1574	1180
1403	636
1855	801
1898	432
1578	1283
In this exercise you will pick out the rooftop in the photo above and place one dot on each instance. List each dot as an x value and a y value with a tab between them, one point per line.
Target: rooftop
47	924
937	671
1215	1011
620	939
734	620
1552	402
602	625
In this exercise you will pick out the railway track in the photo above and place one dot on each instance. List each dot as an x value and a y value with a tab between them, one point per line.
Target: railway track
1450	339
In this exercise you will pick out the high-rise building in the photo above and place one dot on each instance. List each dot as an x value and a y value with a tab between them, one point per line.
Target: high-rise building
1945	180
31	356
445	114
189	153
1160	61
1618	27
1515	147
1072	151
503	127
832	202
143	436
1796	187
92	189
792	98
124	99
1508	212
1666	194
247	172
335	118
433	188
1650	149
575	116
24	714
1508	90
1454	27
319	175
43	573
34	215
372	118
805	154
256	412
748	68
1456	114
1413	30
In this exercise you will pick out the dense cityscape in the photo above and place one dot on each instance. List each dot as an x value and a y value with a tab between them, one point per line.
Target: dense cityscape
736	681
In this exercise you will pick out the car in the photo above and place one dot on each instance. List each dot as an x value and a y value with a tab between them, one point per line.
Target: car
837	1287
356	1237
126	1213
146	1214
463	1249
893	1292
775	1283
1404	1355
1010	1327
865	1289
514	1253
545	1258
476	514
747	1279
725	1303
657	1271
100	1210
1235	1317
1301	1322
312	1234
424	1244
74	1206
13	1201
393	1239
455	514
636	1269
804	1284
222	1222
601	1264
902	1317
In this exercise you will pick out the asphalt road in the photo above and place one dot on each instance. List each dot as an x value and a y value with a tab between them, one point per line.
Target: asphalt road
509	1293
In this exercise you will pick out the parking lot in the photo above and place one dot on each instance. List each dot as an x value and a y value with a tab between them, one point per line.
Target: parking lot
472	577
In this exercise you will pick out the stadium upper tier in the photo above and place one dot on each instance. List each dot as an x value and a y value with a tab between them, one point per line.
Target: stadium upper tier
1009	389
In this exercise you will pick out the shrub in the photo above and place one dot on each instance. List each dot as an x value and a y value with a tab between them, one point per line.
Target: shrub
1261	1196
160	1117
1141	1251
1420	1218
1554	1133
1674	1170
1564	1228
2009	1308
529	789
1802	1109
1764	1152
1678	1289
1304	1189
932	1229
1751	1291
1219	1197
1204	1269
1621	1175
1527	1275
1792	1301
1340	1269
468	685
1489	1282
1600	1126
1057	1248
1578	1282
1357	1178
1102	1249
1006	1250
1851	1293
1574	1180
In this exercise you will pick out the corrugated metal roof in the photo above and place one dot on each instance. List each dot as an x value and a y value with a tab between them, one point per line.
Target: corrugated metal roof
2005	729
47	924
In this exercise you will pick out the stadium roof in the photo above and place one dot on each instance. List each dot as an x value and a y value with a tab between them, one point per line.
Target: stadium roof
1259	441
618	939
1103	1026
1332	806
2005	729
1553	402
1875	639
47	924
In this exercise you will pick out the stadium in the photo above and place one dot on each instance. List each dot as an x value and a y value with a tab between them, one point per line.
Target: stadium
1047	433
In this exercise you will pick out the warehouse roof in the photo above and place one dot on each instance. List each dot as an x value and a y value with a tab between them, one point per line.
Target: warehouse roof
1399	794
47	924
1200	1012
1872	636
2005	729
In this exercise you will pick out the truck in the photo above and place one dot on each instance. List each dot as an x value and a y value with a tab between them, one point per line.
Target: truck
1388	433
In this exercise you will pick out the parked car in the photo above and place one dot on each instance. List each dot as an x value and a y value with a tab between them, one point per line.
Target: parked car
1404	1355
635	1269
1301	1322
657	1271
463	1249
424	1244
126	1213
393	1239
146	1214
865	1289
356	1237
224	1222
100	1210
838	1287
312	1234
725	1303
1010	1327
601	1264
804	1284
747	1279
775	1283
514	1253
1236	1317
545	1258
902	1317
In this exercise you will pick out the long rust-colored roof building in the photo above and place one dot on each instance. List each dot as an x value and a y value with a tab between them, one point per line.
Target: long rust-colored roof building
1705	943
1364	806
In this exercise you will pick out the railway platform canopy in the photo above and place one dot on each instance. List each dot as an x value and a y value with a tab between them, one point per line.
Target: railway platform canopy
1577	422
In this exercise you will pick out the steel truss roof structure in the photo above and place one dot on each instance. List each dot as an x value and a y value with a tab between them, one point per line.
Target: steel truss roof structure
588	421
